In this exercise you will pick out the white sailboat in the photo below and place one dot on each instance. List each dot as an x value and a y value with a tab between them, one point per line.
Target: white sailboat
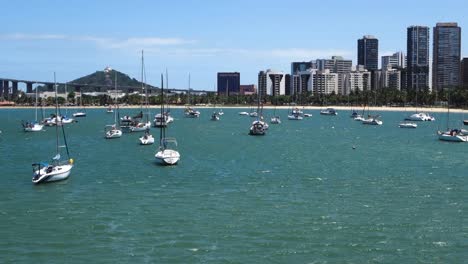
113	131
275	119
58	170
33	126
166	154
296	114
407	123
258	127
190	112
140	125
81	112
453	135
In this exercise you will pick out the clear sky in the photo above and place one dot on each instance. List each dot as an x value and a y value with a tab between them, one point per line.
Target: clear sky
201	37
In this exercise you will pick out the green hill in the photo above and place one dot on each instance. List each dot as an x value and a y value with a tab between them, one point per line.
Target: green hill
101	81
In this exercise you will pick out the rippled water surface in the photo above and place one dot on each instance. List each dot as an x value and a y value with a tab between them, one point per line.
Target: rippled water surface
322	190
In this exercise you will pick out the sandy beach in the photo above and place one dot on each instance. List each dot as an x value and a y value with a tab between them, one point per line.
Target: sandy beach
339	108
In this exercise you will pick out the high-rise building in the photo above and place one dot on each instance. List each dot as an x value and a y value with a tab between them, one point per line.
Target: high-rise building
359	79
336	65
301	66
391	78
446	52
324	82
271	83
417	53
228	83
464	73
396	61
368	52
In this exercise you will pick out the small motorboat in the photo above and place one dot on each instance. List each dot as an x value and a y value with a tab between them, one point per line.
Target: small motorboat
407	125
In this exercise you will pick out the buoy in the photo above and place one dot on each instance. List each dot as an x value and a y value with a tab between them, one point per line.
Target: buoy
71	161
354	147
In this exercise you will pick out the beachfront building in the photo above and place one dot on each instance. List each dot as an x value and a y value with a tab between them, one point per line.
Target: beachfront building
417	44
396	61
359	79
464	73
446	56
391	78
324	82
368	52
336	65
271	82
228	83
302	66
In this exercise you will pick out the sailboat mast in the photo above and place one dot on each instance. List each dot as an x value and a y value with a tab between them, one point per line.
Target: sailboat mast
56	116
162	109
36	104
115	94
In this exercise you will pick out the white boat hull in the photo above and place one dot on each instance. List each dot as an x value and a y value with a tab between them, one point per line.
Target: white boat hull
295	117
33	128
140	127
167	157
147	140
373	122
275	120
449	136
79	114
114	133
243	113
408	125
58	173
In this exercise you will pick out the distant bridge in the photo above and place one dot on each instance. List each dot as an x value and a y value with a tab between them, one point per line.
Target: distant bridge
6	89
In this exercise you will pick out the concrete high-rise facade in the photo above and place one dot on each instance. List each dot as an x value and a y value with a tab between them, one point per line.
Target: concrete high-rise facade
336	65
368	52
464	73
391	78
396	61
302	66
228	83
358	80
324	82
272	83
417	44
446	52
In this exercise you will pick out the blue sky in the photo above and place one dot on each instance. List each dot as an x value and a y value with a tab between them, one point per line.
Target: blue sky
201	37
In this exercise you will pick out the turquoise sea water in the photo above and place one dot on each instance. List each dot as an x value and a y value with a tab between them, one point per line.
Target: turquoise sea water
300	194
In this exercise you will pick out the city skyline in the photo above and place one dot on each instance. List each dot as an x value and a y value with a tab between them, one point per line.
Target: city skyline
217	37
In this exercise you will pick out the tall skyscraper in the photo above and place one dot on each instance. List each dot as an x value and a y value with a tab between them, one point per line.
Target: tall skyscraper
228	83
464	73
397	61
417	44
368	52
446	52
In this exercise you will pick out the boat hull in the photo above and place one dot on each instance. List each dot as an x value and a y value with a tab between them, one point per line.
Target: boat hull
408	125
58	173
113	134
167	157
146	140
34	128
448	136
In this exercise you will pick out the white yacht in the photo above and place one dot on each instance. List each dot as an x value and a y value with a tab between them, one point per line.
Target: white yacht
275	120
112	131
454	135
244	113
420	117
372	120
407	125
329	111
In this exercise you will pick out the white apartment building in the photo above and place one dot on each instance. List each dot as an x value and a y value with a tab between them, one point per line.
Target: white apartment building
391	78
358	80
272	82
324	82
397	60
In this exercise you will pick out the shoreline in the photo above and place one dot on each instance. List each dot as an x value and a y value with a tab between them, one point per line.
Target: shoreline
340	108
